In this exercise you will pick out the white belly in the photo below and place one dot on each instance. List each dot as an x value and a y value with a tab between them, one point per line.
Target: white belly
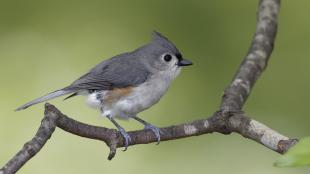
141	98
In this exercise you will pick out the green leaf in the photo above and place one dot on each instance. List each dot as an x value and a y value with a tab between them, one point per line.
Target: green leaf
298	155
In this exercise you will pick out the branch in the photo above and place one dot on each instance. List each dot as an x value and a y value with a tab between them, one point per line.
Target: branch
228	119
257	58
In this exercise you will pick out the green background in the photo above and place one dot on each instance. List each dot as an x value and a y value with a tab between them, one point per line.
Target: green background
45	45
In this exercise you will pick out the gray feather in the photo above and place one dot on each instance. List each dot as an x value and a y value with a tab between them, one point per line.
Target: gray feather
44	98
72	95
120	71
164	42
128	69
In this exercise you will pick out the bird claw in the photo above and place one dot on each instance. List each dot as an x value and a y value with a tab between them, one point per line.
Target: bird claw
126	137
155	130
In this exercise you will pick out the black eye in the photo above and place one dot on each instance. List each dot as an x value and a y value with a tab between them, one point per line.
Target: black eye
167	57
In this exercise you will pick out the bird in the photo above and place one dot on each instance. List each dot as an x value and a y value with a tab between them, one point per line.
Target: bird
128	83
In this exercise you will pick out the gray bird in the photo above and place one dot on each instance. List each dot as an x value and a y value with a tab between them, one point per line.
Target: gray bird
127	84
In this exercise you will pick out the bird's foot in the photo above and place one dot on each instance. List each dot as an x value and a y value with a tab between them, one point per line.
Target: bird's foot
126	137
155	130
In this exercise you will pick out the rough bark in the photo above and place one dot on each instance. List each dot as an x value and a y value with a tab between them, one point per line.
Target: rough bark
229	118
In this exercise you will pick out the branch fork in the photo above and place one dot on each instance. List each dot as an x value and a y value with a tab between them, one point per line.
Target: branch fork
230	117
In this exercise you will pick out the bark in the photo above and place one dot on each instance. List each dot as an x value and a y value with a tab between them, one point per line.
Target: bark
229	118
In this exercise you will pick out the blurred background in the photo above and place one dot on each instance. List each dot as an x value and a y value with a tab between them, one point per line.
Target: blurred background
45	45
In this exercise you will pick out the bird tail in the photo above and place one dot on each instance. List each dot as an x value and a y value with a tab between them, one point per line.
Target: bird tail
49	96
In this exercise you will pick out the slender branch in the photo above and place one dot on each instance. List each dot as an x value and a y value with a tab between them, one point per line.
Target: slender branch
228	119
219	122
257	58
32	147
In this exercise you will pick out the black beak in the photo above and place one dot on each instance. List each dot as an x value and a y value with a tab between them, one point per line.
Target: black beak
184	62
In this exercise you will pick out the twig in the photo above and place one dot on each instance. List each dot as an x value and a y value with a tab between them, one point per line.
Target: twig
228	119
257	58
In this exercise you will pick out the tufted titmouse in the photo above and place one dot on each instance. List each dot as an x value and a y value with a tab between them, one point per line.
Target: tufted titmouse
127	84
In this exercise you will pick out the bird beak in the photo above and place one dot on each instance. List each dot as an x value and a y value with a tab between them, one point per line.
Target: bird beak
184	62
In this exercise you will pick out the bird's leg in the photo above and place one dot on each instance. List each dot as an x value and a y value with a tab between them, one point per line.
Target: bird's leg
149	126
124	134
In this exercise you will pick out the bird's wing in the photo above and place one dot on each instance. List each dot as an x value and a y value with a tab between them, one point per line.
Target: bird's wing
117	72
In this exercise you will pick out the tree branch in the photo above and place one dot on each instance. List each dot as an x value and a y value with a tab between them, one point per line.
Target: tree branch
228	119
257	58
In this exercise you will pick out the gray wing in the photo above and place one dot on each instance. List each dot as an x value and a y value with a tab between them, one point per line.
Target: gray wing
120	71
117	72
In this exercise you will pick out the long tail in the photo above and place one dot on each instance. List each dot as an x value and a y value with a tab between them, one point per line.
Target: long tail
45	98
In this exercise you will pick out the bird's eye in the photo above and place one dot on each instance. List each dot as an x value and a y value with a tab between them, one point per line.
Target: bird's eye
167	57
